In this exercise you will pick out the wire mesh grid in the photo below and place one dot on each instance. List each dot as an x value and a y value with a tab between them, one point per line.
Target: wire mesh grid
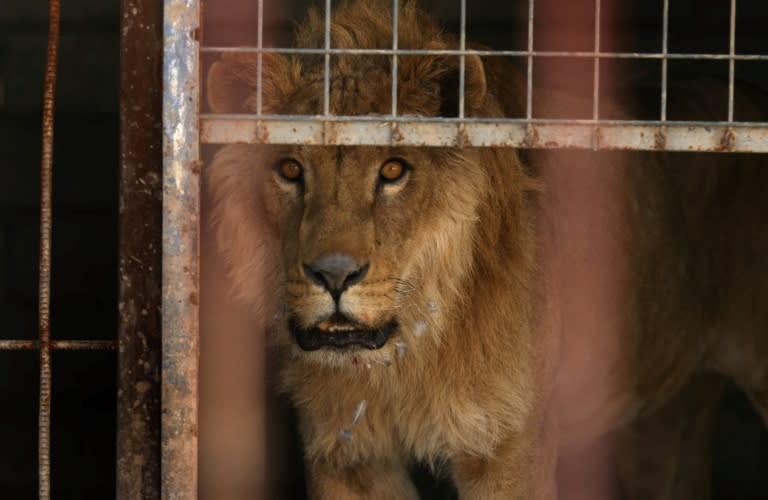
594	132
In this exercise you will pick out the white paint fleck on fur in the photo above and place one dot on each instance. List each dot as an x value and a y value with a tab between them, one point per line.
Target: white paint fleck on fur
419	327
402	348
359	413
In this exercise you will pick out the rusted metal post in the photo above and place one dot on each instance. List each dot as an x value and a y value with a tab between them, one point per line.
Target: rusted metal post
141	171
181	206
46	222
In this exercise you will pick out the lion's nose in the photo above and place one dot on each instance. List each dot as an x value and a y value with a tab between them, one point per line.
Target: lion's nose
335	272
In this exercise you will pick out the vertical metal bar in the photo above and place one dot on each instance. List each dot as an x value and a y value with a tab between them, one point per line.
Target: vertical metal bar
462	57
327	73
530	131
140	246
181	208
259	58
596	79
664	60
44	305
395	39
529	78
395	35
731	60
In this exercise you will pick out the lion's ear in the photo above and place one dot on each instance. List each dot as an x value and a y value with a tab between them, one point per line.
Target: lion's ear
232	82
475	87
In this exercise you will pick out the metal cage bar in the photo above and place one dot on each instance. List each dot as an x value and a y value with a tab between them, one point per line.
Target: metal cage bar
395	40
664	59
180	258
731	60
140	247
46	221
529	132
596	78
327	54
260	60
536	133
481	52
462	56
59	345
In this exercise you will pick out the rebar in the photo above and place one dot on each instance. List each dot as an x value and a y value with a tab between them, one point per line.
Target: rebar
44	292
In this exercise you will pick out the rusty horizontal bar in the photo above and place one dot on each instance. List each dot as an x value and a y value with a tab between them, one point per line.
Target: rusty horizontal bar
405	131
503	53
63	345
288	119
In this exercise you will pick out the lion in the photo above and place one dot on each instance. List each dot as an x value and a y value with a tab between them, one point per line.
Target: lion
405	298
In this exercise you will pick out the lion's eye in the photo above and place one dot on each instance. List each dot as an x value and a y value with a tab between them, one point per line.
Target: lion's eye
289	169
392	171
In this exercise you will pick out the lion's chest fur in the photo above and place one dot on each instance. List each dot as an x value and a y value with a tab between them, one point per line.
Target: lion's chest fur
427	406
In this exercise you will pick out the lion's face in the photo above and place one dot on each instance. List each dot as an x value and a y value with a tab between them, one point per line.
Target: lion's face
372	242
357	228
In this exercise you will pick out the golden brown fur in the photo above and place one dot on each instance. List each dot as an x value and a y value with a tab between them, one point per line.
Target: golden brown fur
699	308
451	251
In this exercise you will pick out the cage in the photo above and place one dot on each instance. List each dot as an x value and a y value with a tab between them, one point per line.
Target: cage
167	133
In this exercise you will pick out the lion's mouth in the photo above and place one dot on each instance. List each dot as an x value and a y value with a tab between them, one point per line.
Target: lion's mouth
340	332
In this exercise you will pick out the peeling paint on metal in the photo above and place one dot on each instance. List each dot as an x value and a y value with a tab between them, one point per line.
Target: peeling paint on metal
516	133
181	205
178	176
